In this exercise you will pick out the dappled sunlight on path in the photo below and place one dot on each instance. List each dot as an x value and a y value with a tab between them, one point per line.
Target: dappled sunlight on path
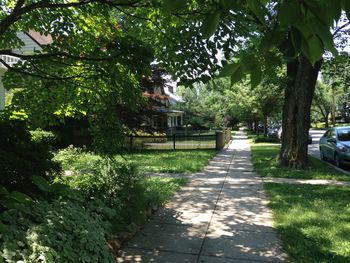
220	216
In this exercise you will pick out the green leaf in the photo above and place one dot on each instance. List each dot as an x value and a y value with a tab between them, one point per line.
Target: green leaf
210	24
327	39
334	9
296	39
289	13
41	183
249	63
346	7
173	6
255	77
3	227
316	26
272	60
258	9
3	190
20	197
237	75
327	12
228	70
313	49
60	189
271	39
229	4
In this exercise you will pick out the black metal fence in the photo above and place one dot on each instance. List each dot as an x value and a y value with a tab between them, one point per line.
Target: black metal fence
180	141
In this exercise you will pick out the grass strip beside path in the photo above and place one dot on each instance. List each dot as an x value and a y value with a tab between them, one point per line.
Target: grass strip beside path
264	161
314	221
172	161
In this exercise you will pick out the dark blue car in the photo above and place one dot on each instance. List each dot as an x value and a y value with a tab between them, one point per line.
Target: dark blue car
335	145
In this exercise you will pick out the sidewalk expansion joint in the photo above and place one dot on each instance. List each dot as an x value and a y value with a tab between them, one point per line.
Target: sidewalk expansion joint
235	258
163	250
216	204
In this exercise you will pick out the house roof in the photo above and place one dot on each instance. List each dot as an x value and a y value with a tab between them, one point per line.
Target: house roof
40	39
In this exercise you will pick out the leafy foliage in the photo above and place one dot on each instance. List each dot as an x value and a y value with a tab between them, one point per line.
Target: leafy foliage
322	102
45	137
97	176
20	157
61	231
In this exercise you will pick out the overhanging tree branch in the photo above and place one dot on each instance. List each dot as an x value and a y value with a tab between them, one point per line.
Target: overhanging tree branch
58	54
21	10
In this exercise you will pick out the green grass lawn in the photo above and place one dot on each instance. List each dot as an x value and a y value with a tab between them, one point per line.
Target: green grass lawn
173	161
165	161
264	161
314	221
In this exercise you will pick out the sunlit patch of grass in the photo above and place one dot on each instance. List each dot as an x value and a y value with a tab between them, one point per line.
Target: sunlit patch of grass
264	158
314	221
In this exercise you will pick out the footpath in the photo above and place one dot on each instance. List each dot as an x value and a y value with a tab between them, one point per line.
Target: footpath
220	216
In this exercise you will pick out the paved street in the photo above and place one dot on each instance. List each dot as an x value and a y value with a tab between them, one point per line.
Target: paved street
220	216
314	147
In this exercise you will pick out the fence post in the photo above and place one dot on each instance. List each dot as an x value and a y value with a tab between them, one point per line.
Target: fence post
174	141
219	140
130	142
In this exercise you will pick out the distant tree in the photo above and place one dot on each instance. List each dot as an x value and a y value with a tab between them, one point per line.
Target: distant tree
336	74
322	101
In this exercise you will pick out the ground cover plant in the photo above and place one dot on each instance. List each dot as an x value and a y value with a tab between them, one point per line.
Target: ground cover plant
313	221
264	158
56	231
71	214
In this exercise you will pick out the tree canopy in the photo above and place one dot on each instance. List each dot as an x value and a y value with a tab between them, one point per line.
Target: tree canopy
186	38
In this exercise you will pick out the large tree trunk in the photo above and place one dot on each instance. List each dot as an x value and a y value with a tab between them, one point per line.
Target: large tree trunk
299	92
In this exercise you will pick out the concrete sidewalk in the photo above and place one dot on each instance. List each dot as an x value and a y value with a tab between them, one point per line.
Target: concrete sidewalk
220	216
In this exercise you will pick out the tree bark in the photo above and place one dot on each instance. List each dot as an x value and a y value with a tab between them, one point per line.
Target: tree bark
326	120
256	128
265	126
302	77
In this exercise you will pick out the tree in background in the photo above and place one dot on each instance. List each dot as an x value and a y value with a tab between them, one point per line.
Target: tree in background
207	105
218	101
336	74
322	102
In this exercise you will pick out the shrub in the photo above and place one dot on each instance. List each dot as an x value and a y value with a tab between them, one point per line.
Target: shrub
266	139
46	137
20	157
115	182
95	175
78	161
61	231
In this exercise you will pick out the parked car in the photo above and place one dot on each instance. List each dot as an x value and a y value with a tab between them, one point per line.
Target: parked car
280	133
272	131
335	145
